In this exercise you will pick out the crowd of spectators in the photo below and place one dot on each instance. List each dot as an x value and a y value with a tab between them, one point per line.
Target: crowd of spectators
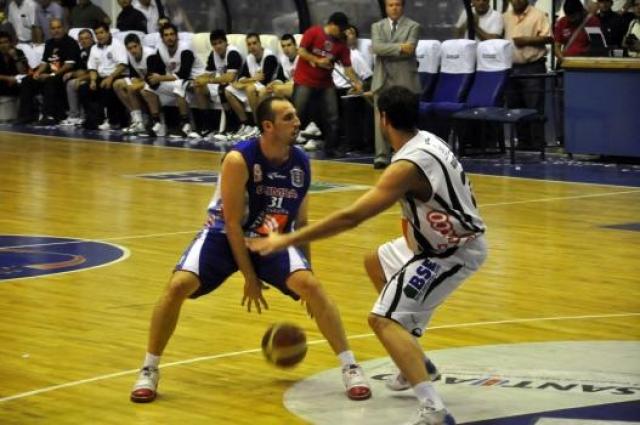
101	82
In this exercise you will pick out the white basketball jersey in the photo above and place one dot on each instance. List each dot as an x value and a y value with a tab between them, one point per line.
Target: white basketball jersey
449	218
141	65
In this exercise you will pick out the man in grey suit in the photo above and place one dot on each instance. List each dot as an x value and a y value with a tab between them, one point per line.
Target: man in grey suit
394	41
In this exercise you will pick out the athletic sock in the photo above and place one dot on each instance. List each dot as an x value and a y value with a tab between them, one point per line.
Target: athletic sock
347	358
151	360
136	115
425	392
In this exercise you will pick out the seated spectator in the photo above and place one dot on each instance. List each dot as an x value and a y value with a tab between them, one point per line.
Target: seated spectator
61	55
22	15
129	90
488	23
45	12
283	85
107	63
130	18
632	38
611	23
34	49
152	11
356	111
169	72
260	68
223	66
13	62
75	79
87	15
570	37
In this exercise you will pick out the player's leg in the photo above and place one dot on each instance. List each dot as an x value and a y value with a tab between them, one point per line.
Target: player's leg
374	270
290	272
253	98
237	106
195	276
121	90
327	317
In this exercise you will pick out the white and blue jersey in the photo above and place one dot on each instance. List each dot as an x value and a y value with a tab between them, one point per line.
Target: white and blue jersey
273	195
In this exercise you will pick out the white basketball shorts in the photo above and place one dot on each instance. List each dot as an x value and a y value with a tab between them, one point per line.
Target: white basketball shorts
417	284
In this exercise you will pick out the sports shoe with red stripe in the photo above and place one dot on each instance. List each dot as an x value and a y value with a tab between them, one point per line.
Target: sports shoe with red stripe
145	388
355	382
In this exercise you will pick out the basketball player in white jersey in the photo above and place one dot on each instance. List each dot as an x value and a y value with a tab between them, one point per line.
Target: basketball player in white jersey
442	245
129	90
288	58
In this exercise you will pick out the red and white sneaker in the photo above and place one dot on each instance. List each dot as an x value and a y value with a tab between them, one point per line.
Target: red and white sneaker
355	382
145	388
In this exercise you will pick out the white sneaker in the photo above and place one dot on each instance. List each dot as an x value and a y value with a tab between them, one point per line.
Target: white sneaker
311	146
159	129
355	382
399	383
312	130
136	127
71	122
105	126
146	387
429	415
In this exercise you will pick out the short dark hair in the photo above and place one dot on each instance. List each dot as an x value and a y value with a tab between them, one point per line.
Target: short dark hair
264	111
86	31
355	29
289	37
131	38
339	19
102	25
168	26
218	35
400	105
571	7
252	35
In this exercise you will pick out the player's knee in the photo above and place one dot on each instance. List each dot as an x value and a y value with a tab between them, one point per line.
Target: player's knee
182	285
377	323
308	287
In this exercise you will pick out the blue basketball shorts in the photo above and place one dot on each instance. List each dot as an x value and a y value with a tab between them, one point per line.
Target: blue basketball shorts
210	258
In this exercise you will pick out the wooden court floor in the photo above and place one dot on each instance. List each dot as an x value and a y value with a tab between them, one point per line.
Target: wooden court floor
70	343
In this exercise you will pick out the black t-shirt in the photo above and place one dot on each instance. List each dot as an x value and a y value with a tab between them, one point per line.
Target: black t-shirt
57	52
234	61
84	58
131	19
269	70
9	65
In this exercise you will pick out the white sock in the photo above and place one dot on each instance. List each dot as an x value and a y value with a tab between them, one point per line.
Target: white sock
136	115
347	358
151	360
427	395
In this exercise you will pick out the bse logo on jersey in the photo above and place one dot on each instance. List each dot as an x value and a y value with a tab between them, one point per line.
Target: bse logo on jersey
421	281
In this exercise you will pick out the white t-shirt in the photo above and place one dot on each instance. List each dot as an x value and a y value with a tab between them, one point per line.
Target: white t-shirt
104	59
33	52
22	18
490	22
151	13
359	65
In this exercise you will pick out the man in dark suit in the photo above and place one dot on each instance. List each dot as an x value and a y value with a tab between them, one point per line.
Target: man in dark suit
394	41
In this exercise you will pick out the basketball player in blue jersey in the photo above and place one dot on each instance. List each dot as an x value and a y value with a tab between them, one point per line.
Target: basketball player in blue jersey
276	177
442	245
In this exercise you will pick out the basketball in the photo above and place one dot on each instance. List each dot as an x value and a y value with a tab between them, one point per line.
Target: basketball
284	345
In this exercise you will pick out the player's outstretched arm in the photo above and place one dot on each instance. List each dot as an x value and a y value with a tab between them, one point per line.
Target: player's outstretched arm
396	180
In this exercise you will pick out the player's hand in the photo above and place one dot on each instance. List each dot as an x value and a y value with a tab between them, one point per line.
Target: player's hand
267	245
253	295
93	85
106	83
154	79
201	81
357	87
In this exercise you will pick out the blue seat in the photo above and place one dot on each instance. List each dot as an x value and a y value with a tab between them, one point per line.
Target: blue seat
428	54
456	73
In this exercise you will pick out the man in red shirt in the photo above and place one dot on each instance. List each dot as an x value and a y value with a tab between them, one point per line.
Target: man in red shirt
569	34
320	48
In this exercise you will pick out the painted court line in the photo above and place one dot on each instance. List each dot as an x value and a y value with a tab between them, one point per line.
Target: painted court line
315	342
